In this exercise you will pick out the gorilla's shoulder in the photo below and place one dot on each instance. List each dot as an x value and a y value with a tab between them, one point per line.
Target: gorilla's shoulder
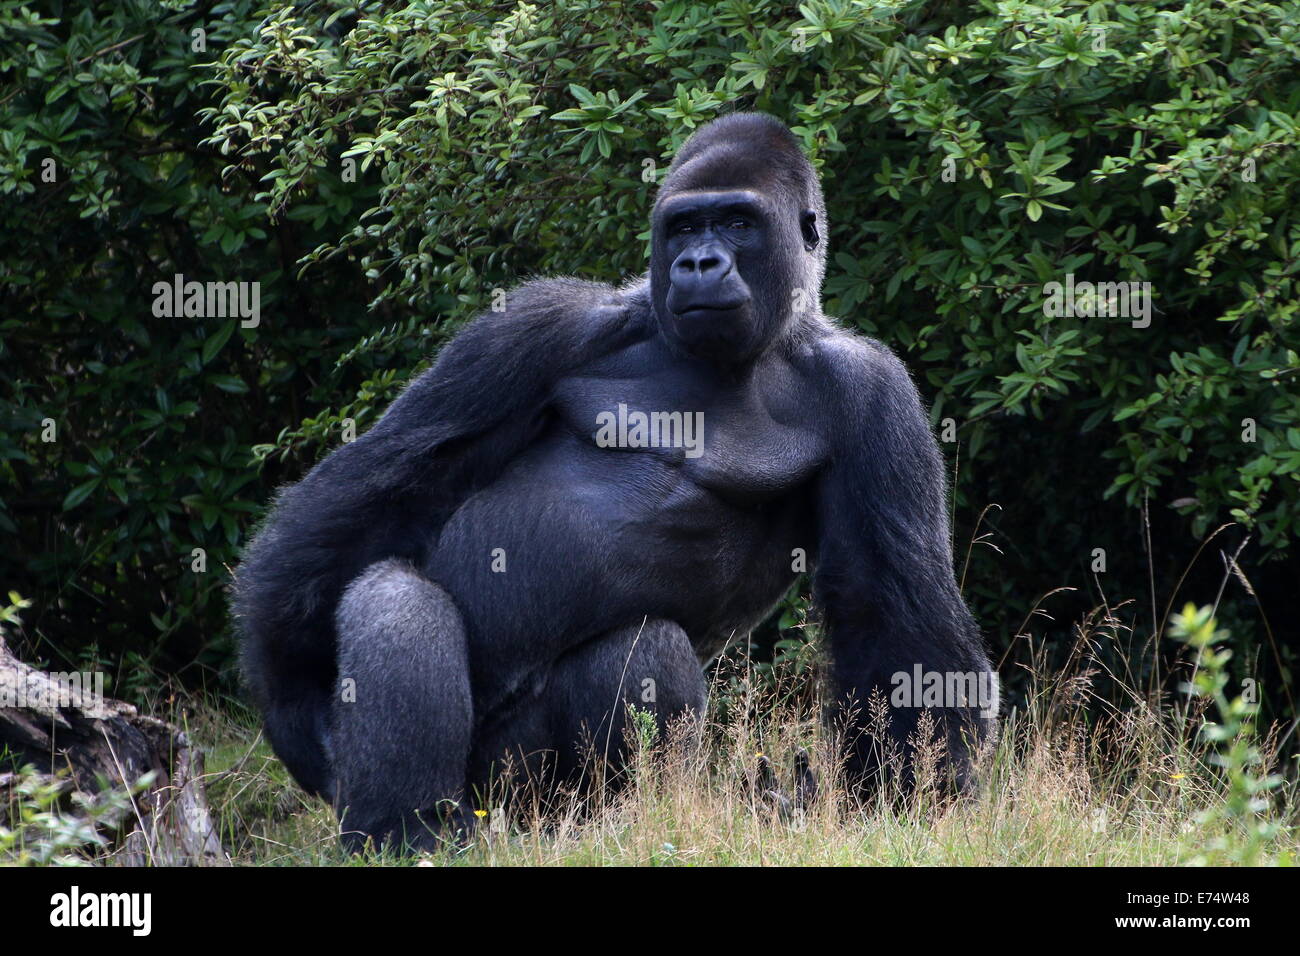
855	361
555	290
576	306
859	382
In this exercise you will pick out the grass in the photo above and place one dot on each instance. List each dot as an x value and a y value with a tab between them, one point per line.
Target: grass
1073	780
1045	801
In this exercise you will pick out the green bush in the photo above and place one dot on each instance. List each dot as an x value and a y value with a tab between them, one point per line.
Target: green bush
125	437
413	158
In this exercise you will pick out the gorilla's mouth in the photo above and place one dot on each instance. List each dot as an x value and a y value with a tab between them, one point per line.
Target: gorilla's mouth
706	309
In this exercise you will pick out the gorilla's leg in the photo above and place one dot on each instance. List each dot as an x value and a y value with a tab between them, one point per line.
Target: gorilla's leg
402	729
577	710
651	666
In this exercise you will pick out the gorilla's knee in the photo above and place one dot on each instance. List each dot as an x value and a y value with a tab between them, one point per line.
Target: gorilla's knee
402	711
394	603
663	672
651	666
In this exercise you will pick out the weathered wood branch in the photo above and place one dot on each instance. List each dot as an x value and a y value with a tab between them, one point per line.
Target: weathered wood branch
63	725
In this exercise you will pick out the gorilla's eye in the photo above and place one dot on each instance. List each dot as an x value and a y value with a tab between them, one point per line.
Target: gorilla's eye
738	223
682	227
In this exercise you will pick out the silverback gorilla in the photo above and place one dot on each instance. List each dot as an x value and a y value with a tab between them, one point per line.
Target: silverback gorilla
493	569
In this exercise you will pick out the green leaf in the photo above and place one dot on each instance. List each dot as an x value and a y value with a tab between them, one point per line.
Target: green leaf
80	493
212	345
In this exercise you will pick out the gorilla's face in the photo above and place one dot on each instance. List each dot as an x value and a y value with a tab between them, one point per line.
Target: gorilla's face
730	267
736	251
715	243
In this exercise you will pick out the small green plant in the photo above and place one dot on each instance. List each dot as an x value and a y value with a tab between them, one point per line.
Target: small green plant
43	833
644	727
10	613
1243	813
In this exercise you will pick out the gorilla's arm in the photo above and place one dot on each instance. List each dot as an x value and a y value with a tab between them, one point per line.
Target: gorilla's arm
884	575
388	493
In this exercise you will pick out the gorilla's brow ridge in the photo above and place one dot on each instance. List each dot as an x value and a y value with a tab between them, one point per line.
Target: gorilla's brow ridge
691	201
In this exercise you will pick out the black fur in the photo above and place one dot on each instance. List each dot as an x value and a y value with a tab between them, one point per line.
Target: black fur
626	567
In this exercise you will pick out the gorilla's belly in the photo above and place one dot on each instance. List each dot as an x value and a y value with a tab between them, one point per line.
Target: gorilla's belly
574	540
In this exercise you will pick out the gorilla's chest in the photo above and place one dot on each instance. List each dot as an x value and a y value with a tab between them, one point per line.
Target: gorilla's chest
741	443
645	495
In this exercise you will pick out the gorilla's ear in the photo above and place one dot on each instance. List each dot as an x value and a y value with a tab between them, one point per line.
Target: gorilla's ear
808	226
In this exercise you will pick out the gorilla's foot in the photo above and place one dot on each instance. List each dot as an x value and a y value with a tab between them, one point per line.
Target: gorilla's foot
788	804
450	825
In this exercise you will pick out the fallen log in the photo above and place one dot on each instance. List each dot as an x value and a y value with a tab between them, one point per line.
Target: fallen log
63	726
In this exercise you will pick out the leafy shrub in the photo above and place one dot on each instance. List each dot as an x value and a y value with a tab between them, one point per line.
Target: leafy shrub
125	437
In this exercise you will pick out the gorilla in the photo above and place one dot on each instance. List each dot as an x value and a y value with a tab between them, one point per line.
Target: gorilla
588	495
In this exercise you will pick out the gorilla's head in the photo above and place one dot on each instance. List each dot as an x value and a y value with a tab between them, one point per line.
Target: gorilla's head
737	238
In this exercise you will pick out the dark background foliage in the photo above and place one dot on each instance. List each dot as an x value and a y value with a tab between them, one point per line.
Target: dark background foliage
971	153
